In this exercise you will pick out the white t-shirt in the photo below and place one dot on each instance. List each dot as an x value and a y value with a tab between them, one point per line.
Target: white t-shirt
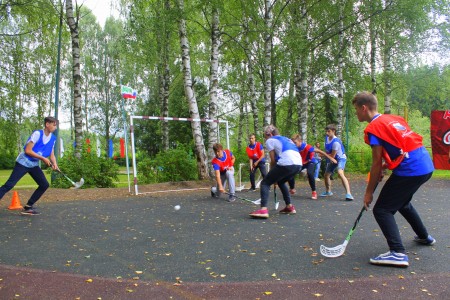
22	159
286	158
36	135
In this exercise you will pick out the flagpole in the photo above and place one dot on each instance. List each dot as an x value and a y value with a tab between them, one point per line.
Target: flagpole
126	142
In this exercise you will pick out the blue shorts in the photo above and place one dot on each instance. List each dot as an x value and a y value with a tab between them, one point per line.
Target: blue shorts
331	168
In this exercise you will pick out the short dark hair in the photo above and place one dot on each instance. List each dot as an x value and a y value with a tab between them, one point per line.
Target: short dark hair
51	120
217	147
331	127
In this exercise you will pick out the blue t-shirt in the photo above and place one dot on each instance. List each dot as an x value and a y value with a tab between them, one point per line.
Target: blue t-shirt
418	162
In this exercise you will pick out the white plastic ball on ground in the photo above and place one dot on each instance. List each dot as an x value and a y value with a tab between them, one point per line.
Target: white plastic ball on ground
177	207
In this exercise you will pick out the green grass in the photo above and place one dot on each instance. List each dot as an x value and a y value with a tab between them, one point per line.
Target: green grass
442	174
27	182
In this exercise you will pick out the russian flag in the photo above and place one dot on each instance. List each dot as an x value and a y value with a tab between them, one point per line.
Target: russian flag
128	93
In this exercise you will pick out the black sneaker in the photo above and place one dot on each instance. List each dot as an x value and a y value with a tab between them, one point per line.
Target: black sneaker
231	198
30	211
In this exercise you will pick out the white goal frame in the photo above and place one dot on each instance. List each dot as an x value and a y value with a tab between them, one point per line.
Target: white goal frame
133	150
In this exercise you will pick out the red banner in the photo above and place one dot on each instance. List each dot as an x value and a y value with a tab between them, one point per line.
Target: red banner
440	138
88	142
122	148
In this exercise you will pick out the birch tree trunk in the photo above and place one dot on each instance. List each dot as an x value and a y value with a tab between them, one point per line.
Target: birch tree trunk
301	81
164	71
267	62
190	95
387	67
387	78
373	49
251	80
314	113
340	69
291	99
213	82
77	104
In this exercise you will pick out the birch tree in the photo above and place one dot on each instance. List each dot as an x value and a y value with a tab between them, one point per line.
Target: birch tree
301	77
213	80
267	68
190	96
340	67
72	21
250	78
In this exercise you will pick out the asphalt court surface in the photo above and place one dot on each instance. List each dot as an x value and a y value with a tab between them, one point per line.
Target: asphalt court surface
212	243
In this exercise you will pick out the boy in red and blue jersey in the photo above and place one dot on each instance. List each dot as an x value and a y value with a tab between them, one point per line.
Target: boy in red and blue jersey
255	153
309	160
402	151
223	167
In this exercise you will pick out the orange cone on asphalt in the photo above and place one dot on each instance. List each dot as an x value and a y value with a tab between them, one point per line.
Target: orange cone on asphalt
15	202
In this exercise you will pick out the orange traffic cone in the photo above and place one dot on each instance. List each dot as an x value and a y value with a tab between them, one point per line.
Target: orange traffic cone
368	177
15	202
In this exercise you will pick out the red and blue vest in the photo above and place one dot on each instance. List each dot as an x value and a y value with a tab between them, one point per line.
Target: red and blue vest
395	131
226	164
306	153
254	153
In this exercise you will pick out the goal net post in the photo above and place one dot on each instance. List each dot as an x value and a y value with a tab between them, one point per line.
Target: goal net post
133	149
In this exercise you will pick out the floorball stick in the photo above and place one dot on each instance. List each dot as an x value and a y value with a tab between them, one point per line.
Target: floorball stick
76	185
339	250
277	203
257	202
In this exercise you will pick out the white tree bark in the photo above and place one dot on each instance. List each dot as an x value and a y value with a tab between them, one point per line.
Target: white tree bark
301	76
340	69
251	80
373	49
267	62
213	82
190	95
76	74
387	78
